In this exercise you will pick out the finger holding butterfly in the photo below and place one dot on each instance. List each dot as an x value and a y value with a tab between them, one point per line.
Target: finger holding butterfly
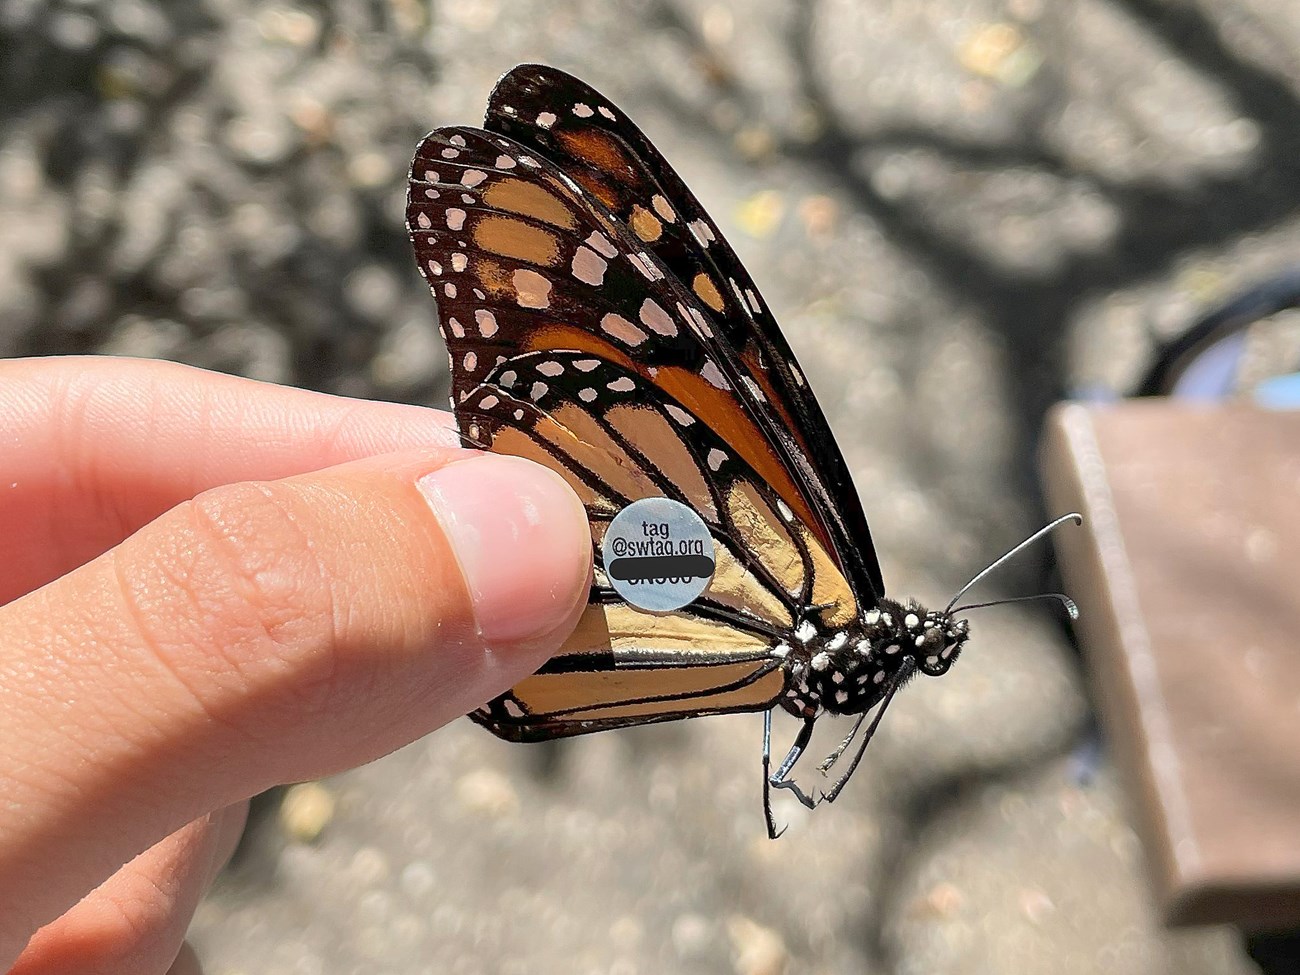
271	602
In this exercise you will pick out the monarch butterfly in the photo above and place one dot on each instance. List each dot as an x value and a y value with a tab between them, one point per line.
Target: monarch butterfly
599	323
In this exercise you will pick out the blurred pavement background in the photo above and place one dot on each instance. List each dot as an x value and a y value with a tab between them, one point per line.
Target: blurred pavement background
960	211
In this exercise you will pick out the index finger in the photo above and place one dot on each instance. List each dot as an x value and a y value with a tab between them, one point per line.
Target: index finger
97	447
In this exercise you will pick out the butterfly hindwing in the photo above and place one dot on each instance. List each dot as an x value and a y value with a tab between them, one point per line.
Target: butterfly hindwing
616	439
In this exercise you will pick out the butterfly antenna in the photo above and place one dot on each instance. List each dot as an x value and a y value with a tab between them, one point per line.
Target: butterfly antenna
1074	516
1066	601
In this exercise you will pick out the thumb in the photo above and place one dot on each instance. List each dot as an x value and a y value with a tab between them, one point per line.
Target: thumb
262	633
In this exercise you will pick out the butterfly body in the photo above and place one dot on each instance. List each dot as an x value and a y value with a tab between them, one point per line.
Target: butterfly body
849	671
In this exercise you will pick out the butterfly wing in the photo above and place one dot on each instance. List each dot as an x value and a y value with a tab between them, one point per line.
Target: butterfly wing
529	268
616	438
591	141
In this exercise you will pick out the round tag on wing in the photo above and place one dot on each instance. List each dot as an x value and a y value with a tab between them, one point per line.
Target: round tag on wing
659	554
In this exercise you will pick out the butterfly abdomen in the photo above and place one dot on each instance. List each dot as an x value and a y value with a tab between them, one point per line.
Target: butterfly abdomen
848	671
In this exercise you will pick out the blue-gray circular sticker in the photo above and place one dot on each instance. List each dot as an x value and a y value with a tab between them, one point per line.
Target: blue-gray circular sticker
658	554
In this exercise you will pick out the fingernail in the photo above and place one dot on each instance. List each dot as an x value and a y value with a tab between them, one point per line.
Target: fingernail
521	538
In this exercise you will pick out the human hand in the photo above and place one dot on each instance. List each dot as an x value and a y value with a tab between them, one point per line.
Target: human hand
211	586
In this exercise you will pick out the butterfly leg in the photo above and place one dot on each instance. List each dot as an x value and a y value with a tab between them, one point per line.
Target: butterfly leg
834	756
778	779
772	832
904	672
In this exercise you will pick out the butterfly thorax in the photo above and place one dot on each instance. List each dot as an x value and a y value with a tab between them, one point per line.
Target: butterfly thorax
848	670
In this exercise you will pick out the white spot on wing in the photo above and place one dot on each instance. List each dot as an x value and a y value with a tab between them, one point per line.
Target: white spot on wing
504	162
455	218
622	385
806	631
713	375
587	395
472	177
656	319
546	119
601	244
487	323
588	267
459	261
820	660
551	369
582	111
716	457
679	414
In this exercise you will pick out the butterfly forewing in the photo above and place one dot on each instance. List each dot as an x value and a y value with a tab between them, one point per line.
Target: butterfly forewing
573	125
521	259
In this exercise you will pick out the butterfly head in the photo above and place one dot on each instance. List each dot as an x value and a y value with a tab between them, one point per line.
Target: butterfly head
938	641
